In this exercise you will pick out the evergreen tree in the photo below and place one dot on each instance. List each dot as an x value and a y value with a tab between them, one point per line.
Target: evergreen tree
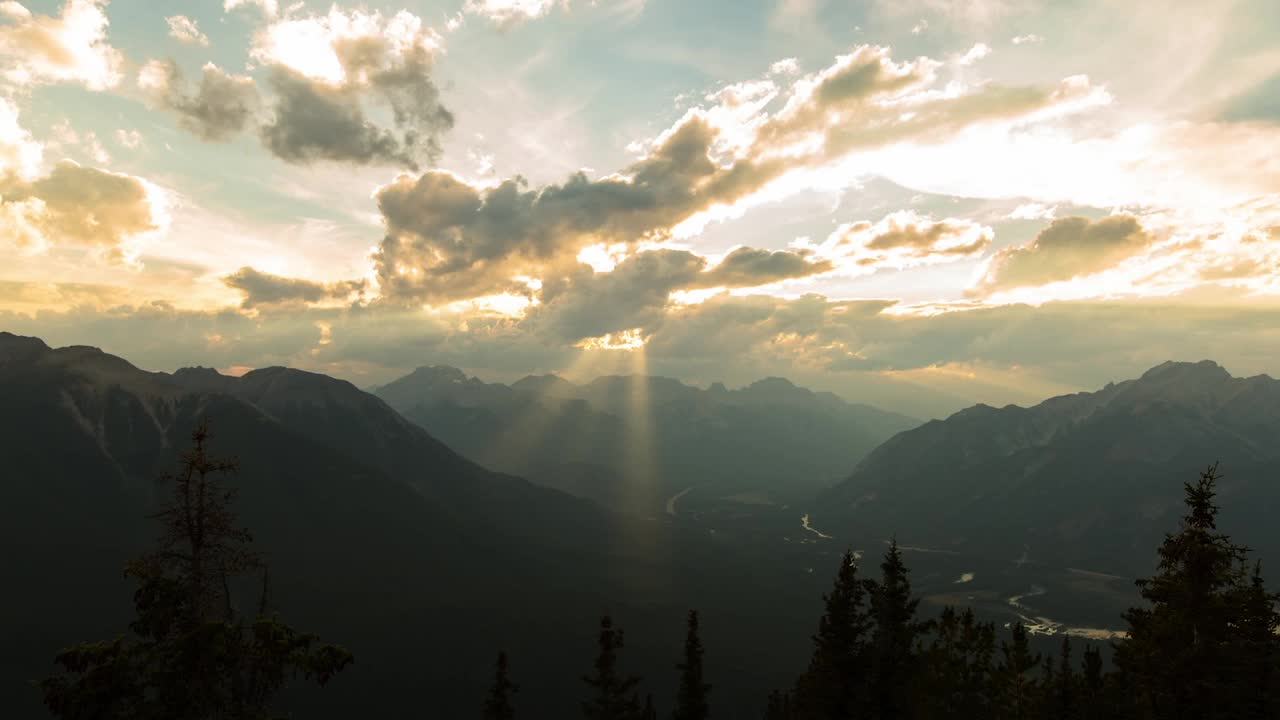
1015	686
834	685
1180	655
188	654
894	661
498	705
613	696
691	697
1061	686
1258	649
1094	702
649	712
956	668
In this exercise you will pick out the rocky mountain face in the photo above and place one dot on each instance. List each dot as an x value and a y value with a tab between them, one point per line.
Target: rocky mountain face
1091	479
631	442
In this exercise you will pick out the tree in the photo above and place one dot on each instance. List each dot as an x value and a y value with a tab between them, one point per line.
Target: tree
1014	682
613	696
779	707
691	696
956	668
1179	658
1257	649
188	654
1061	686
894	662
498	705
834	684
649	712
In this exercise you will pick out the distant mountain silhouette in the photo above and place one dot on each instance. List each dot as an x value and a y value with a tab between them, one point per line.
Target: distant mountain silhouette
377	534
633	441
1085	480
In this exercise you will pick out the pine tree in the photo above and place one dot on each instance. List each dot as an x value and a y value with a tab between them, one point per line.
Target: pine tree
189	655
1093	691
1178	658
1014	682
498	705
956	668
1257	649
691	697
894	662
834	685
649	712
1061	686
613	696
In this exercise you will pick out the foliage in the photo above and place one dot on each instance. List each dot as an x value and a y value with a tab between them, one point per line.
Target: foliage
188	654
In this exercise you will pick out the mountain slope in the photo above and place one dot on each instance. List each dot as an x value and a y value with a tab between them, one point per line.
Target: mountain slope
378	536
632	441
1090	479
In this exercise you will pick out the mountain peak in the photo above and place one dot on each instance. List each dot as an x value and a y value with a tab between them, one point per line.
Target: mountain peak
439	373
17	346
1203	371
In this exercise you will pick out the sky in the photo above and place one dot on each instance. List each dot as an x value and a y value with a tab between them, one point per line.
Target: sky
920	204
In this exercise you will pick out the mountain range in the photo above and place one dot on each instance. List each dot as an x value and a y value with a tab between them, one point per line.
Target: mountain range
378	537
399	523
632	442
1090	480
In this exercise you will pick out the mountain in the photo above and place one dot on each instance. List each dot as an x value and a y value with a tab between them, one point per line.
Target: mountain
633	442
1090	480
378	536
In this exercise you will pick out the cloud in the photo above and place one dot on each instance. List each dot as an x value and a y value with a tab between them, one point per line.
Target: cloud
869	350
1068	248
20	154
975	53
220	107
449	240
270	8
753	267
325	69
634	294
264	289
76	205
184	29
900	240
71	47
505	13
129	139
1027	40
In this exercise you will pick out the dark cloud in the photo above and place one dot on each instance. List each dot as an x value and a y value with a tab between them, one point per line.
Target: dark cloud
219	108
449	240
312	121
384	63
1069	247
749	267
261	288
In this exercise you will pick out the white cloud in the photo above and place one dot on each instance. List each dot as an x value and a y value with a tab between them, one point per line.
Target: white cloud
270	8
1030	39
20	154
975	53
130	139
71	47
507	11
184	29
